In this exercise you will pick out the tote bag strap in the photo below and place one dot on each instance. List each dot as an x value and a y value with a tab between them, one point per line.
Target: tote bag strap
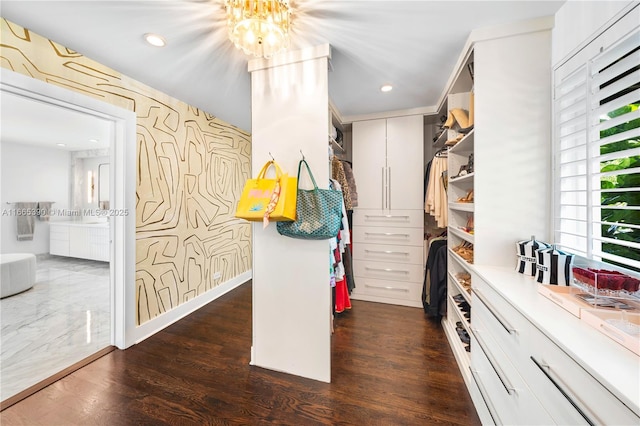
315	186
263	172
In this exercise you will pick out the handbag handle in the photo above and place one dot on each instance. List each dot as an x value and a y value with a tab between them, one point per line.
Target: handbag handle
263	172
315	186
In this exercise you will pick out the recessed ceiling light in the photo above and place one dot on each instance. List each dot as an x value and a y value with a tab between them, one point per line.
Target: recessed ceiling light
386	88
155	39
61	144
94	140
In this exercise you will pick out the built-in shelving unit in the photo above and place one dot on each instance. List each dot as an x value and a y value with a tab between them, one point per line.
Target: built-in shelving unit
460	188
492	206
337	148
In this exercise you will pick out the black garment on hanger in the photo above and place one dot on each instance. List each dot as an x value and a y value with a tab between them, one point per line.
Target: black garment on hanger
437	267
426	179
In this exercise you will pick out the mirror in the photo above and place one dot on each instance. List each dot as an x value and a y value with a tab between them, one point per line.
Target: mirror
103	186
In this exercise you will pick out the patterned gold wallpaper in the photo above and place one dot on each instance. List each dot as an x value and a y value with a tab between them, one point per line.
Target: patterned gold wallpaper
191	168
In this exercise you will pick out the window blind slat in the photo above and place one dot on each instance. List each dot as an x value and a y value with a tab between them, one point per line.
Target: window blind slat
615	104
629	134
613	122
617	155
626	225
623	243
622	84
616	70
619	259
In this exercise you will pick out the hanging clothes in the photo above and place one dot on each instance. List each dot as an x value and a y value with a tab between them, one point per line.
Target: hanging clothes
434	289
342	270
436	195
337	173
351	183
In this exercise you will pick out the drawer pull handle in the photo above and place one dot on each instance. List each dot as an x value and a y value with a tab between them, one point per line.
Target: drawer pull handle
398	271
387	252
406	290
544	368
483	392
493	311
505	383
387	234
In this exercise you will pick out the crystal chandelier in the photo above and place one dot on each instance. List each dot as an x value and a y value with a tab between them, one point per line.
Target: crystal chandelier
258	27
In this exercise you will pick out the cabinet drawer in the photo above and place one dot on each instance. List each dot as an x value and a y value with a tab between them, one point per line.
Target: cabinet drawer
575	386
387	289
388	271
511	401
59	233
507	326
388	235
384	253
395	218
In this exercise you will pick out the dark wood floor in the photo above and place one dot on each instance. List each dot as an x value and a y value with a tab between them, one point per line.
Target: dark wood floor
390	366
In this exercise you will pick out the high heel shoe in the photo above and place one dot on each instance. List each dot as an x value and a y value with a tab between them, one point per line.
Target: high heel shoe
467	198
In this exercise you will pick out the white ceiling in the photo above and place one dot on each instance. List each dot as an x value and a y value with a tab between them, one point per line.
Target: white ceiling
413	45
31	122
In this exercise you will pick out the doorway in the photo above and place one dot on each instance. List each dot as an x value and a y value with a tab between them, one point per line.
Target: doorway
78	307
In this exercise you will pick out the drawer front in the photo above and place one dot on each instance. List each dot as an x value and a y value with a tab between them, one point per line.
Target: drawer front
508	327
387	289
388	271
511	401
575	386
388	236
394	218
385	253
59	233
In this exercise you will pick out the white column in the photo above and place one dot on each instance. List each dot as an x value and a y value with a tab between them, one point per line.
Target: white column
291	291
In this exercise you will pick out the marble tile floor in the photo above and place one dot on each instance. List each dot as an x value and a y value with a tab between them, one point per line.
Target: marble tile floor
63	319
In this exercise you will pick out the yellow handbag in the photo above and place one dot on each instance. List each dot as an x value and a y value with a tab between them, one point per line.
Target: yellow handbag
260	192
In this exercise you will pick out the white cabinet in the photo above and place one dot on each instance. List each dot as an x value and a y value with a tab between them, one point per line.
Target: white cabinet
536	363
81	240
405	162
370	162
388	163
387	234
58	239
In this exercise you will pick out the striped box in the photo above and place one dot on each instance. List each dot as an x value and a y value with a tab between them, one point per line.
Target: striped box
526	251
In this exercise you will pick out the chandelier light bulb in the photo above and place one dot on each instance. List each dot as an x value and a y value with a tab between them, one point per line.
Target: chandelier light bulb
259	27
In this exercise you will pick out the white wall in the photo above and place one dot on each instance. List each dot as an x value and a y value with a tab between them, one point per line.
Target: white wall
578	21
31	173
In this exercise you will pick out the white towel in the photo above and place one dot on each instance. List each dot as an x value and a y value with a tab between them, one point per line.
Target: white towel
25	220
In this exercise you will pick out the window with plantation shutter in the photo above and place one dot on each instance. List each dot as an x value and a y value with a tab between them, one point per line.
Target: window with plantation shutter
597	153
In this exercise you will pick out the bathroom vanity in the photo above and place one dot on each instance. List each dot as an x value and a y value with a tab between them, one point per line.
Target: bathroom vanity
79	239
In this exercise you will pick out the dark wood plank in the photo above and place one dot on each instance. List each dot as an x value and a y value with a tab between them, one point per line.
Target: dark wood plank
390	366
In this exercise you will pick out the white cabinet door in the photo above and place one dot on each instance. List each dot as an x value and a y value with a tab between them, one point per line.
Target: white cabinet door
369	163
405	158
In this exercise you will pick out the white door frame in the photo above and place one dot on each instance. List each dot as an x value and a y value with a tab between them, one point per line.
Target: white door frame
123	184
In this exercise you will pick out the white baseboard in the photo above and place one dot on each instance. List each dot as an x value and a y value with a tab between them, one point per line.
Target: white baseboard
154	325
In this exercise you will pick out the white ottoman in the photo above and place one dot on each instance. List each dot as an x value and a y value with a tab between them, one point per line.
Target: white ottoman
17	273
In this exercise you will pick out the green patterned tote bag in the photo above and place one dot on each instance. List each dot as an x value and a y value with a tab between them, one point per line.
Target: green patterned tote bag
318	212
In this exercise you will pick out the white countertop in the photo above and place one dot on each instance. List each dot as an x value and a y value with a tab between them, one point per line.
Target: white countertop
616	367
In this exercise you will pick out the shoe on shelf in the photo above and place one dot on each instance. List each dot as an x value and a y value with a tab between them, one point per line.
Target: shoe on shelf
466	130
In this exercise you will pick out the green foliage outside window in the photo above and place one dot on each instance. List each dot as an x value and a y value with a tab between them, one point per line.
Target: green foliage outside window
621	217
